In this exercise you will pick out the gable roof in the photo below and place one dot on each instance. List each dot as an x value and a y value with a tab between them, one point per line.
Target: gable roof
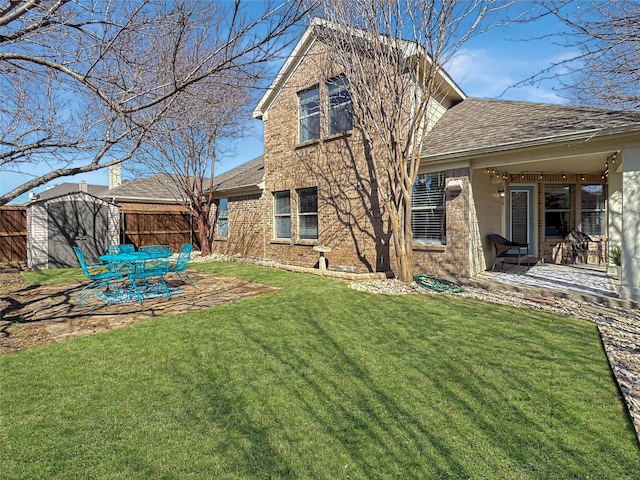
156	188
480	125
67	189
306	42
247	175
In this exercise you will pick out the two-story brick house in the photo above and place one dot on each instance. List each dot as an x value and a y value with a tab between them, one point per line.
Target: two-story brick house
531	172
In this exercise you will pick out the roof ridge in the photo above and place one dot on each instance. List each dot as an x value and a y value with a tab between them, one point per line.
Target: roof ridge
548	105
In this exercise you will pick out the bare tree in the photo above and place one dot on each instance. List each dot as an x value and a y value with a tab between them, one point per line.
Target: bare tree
81	83
392	52
185	143
605	71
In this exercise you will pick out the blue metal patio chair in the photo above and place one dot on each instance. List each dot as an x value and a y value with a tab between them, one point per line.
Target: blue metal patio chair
122	248
151	276
155	248
180	267
99	275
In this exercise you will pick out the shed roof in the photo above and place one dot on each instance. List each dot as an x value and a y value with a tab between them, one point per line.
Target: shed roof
67	189
479	124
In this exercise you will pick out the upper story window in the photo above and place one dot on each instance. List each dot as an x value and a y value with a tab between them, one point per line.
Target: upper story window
557	210
593	211
308	213
223	217
282	214
428	212
340	107
309	114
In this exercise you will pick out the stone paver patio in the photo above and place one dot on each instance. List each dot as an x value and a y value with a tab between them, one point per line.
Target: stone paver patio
51	312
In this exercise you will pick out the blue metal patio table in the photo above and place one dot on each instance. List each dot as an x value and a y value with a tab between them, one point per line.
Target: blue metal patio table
140	265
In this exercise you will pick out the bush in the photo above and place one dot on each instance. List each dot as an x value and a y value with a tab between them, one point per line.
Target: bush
616	256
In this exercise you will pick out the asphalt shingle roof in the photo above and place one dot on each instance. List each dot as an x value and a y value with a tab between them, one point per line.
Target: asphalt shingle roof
156	187
249	174
69	188
476	124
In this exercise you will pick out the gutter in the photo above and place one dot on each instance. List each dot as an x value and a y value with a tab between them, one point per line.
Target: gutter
250	188
146	199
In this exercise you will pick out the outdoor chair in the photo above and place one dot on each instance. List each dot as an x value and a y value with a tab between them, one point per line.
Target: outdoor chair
180	267
155	248
122	248
506	248
151	276
581	246
99	274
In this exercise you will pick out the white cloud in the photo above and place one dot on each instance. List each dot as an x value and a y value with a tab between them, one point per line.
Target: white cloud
484	73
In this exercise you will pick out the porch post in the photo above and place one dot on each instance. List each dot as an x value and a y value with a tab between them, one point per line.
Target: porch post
630	282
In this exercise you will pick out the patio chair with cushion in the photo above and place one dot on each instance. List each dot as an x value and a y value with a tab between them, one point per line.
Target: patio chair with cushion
180	267
506	248
99	274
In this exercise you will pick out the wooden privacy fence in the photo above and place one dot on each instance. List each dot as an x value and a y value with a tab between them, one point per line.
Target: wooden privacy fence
13	234
139	228
154	228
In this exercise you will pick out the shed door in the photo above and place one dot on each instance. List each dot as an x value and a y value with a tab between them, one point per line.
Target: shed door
81	223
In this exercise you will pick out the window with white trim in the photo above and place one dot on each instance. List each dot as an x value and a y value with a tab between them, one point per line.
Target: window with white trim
309	114
308	213
428	212
557	210
592	209
223	217
282	214
340	107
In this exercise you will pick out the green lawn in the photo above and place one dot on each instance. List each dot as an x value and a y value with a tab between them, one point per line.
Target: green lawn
319	381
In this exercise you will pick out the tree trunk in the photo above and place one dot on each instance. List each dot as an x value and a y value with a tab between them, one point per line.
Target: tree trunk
205	245
403	242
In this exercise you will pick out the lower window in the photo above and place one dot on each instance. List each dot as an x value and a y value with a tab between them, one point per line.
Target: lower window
223	217
428	212
592	209
282	214
557	207
308	213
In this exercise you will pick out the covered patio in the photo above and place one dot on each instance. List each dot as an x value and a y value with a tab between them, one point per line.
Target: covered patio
547	199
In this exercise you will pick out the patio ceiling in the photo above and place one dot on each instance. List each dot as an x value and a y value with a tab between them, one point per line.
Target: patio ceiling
585	163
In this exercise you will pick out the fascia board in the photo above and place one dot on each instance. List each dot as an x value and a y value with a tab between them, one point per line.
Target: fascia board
240	190
119	198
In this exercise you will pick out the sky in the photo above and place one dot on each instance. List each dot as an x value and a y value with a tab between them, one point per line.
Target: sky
485	67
